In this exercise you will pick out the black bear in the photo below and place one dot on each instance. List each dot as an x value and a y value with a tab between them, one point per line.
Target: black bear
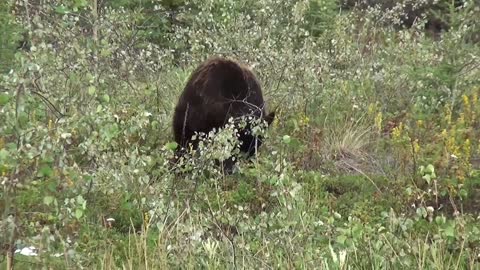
216	91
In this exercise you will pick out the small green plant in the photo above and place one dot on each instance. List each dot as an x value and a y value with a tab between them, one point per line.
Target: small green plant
428	173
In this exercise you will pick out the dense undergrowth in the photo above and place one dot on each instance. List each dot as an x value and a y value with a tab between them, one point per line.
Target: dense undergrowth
372	162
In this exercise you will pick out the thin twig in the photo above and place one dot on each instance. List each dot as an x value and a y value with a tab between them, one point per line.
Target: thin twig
50	105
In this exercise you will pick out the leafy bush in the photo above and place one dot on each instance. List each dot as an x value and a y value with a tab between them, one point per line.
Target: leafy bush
11	35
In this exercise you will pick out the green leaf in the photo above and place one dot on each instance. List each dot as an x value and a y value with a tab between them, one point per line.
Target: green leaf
90	77
62	10
81	201
450	229
45	171
106	98
357	232
427	178
430	170
4	154
422	212
92	90
105	52
341	239
440	220
48	200
286	139
171	146
273	180
78	213
4	98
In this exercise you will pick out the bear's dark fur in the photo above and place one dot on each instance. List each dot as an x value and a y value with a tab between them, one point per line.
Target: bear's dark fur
217	90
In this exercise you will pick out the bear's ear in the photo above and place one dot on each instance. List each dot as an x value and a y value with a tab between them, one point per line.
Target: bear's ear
270	117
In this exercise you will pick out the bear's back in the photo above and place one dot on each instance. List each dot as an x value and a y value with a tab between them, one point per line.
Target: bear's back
217	90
